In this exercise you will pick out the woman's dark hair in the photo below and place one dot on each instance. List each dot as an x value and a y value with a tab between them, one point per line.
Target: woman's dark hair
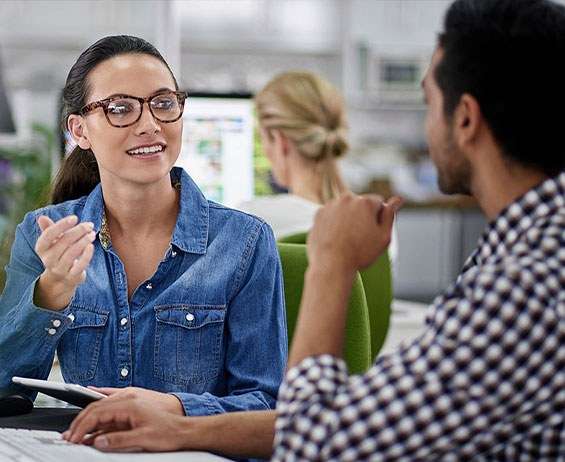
509	55
79	173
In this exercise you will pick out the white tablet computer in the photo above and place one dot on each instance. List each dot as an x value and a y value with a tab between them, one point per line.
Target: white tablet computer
73	394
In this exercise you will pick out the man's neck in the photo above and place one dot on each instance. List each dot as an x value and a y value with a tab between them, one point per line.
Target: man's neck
499	183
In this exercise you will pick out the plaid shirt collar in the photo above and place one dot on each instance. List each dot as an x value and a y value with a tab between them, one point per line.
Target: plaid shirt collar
517	218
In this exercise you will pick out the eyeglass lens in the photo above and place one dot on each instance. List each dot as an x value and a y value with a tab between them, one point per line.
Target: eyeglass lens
125	111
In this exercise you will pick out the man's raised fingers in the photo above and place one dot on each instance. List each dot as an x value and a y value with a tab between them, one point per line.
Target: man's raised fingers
395	203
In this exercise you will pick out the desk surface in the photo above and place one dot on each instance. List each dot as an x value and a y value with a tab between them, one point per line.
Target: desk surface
59	419
51	419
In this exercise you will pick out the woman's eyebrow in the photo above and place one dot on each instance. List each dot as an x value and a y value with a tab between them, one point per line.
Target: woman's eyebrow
162	89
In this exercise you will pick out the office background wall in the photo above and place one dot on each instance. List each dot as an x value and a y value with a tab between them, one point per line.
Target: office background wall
376	51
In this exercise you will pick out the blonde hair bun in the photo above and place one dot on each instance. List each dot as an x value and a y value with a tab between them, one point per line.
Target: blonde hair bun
308	110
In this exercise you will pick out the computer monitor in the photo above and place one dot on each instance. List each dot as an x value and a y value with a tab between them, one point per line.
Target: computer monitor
218	144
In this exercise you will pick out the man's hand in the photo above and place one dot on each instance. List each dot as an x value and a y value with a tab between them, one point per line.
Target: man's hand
351	232
160	401
131	423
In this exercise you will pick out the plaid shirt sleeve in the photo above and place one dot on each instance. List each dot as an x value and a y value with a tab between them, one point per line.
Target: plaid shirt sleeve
486	379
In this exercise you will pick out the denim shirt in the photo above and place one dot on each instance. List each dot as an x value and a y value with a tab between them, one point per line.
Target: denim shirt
208	326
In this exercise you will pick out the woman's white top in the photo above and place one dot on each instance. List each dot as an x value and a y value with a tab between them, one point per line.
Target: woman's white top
286	213
290	214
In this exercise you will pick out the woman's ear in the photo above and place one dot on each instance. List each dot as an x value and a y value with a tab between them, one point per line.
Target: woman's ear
77	129
280	141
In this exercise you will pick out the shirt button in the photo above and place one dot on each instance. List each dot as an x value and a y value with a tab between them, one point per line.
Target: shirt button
51	331
190	317
123	321
149	286
56	323
173	254
124	372
71	317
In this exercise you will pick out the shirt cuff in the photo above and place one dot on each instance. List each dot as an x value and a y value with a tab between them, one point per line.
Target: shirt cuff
198	405
34	321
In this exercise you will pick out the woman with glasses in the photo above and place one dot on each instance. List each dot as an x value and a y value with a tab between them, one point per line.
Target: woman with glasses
132	276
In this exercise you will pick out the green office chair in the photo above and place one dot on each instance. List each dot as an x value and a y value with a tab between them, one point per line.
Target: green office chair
377	282
357	347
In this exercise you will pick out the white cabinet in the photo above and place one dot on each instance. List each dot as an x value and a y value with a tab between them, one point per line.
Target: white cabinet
433	244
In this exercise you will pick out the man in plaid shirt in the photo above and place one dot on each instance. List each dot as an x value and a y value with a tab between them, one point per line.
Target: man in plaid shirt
486	380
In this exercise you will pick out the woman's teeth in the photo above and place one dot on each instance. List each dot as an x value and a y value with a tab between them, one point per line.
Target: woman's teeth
145	150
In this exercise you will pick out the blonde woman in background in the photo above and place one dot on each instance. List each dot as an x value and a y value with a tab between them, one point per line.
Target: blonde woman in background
303	128
303	132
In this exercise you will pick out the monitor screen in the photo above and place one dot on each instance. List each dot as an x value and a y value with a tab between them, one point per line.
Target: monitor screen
217	147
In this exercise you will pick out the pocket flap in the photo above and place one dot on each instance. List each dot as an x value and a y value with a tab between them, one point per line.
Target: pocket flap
83	317
190	316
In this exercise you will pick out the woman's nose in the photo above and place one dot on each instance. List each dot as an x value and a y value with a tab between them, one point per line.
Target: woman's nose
147	124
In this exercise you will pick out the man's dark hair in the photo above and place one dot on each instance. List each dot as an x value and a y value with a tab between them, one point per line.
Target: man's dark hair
510	56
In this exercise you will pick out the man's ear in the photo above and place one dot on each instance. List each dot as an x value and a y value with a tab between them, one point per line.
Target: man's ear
77	129
467	120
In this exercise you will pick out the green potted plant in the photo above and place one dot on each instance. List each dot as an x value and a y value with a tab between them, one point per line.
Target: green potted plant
27	186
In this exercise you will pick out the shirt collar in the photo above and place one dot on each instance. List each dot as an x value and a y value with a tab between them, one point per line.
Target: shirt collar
191	229
541	201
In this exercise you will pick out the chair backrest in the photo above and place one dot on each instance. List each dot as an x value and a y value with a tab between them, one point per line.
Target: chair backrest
357	347
377	282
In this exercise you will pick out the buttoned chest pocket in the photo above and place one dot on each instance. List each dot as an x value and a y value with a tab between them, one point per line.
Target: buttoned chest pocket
79	347
188	342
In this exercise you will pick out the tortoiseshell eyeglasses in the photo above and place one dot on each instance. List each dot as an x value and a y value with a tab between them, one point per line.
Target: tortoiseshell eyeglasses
125	110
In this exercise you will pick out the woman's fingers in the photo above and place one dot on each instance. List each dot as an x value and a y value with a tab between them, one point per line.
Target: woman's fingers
52	232
73	252
78	269
44	222
65	248
54	253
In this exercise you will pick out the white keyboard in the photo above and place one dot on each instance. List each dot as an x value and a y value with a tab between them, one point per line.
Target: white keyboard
41	446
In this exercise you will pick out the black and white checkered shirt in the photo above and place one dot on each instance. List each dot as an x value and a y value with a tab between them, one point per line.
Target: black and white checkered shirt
485	381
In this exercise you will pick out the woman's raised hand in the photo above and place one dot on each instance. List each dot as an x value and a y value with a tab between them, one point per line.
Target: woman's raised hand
65	248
